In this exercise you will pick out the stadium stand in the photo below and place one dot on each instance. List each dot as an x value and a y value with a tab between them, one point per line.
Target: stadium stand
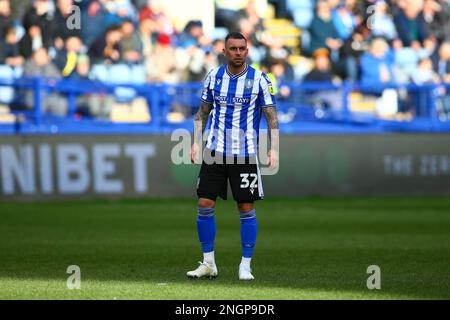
340	65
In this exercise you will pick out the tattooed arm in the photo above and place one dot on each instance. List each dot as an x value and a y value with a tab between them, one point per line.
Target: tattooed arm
200	120
272	123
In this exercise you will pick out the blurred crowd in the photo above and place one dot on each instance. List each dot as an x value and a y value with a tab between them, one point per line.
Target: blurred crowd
376	42
370	41
109	32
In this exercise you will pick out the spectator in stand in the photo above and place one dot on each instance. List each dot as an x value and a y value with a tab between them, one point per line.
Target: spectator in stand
377	64
148	13
95	21
322	30
282	74
275	51
322	67
32	40
139	4
82	69
190	52
322	72
247	29
410	26
344	20
217	51
121	9
40	14
155	11
9	49
424	73
351	52
435	18
147	38
361	9
131	43
442	62
67	59
354	7
5	17
381	23
442	68
191	35
332	4
162	67
40	65
95	105
107	47
252	14
214	55
406	59
62	31
447	30
228	12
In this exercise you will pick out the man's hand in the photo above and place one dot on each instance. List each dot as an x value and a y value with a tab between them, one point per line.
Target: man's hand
273	159
194	154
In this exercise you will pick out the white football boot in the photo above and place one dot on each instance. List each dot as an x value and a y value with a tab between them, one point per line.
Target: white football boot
204	270
245	273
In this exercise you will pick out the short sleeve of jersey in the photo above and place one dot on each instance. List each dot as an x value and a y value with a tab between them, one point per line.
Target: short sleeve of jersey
206	93
266	93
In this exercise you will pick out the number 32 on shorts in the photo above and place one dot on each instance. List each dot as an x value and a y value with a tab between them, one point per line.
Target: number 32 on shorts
246	177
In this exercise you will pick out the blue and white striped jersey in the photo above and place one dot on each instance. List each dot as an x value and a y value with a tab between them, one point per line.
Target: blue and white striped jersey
237	107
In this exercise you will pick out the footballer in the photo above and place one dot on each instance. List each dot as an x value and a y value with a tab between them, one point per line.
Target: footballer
234	95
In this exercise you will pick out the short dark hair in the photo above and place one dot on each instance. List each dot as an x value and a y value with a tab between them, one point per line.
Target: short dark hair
114	27
235	35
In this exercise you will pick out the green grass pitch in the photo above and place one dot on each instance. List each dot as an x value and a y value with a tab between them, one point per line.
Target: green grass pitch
312	248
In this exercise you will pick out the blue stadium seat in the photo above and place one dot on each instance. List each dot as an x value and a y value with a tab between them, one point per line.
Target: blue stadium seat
6	92
6	72
99	72
219	33
120	73
138	74
302	12
17	72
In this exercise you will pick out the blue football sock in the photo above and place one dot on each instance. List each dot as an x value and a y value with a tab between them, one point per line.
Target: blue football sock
249	229
206	227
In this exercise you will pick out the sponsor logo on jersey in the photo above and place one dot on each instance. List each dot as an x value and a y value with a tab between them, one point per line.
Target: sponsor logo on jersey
232	100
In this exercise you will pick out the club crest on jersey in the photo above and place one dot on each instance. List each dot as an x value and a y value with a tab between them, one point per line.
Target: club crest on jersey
248	83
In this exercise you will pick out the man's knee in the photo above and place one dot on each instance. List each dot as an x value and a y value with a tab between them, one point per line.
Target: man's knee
245	207
206	203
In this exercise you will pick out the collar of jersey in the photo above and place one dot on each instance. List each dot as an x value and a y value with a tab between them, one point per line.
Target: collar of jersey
236	75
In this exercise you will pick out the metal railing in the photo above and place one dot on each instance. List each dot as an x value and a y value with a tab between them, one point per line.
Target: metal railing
427	107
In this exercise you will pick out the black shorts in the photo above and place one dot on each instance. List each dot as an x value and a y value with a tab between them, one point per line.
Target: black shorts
242	172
